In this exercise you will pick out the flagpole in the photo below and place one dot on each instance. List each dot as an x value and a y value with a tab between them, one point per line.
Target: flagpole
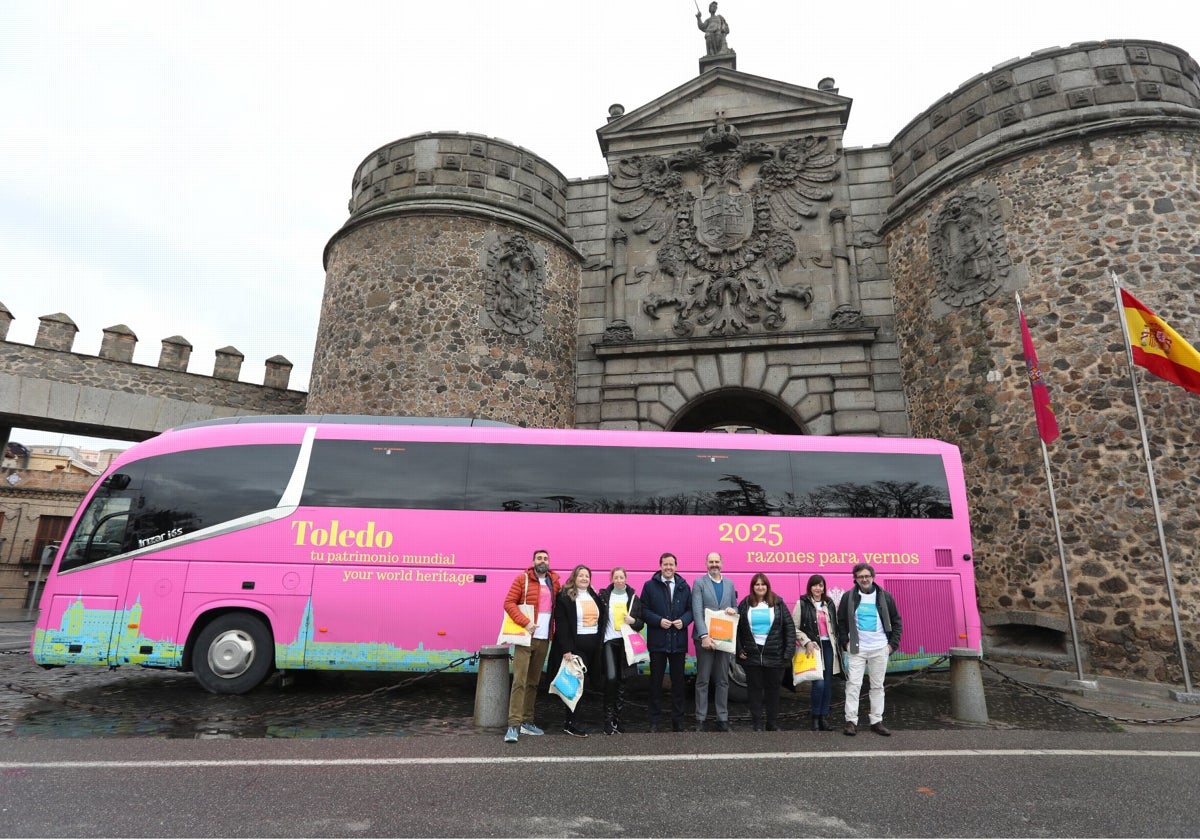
1162	537
1062	552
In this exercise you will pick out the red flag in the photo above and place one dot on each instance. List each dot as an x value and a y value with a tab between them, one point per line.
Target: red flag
1047	423
1158	348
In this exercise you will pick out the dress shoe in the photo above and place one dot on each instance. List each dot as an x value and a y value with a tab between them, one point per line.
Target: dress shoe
772	727
880	729
699	726
823	723
851	729
677	726
816	722
723	726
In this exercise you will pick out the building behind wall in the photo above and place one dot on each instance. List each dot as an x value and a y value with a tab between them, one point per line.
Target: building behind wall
38	496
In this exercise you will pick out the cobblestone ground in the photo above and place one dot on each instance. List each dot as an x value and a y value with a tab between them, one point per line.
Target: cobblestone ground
94	702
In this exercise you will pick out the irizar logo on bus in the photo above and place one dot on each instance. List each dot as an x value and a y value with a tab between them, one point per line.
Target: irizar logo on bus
333	535
157	538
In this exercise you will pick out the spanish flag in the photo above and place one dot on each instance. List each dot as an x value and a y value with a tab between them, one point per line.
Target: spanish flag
1158	348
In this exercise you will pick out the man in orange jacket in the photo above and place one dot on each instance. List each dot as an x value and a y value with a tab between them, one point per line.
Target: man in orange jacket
536	587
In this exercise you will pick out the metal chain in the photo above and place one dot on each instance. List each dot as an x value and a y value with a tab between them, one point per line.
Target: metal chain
1058	701
801	713
275	714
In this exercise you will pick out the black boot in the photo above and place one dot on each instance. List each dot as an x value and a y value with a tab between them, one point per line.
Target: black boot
823	723
618	707
816	722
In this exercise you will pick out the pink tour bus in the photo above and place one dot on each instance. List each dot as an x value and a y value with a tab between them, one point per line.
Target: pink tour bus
238	547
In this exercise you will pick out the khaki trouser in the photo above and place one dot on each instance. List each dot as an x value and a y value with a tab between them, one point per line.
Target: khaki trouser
528	663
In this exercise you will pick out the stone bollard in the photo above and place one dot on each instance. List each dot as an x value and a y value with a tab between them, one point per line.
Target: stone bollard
491	688
967	702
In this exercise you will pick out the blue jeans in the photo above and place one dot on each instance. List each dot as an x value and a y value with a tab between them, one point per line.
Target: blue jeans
822	690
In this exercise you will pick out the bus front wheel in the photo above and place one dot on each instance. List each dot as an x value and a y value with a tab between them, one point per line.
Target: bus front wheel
234	654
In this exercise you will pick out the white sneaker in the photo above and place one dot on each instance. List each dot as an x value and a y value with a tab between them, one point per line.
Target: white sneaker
510	737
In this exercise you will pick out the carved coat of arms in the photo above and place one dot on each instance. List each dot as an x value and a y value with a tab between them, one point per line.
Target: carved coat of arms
513	280
968	247
723	245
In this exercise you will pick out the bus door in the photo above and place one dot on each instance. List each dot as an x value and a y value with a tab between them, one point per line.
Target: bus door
148	629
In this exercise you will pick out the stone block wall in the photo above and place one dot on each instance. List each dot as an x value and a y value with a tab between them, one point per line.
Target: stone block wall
870	184
585	199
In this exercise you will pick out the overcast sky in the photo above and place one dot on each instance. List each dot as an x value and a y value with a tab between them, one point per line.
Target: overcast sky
178	167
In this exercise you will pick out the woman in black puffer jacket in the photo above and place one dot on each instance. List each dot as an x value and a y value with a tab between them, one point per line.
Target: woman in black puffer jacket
766	641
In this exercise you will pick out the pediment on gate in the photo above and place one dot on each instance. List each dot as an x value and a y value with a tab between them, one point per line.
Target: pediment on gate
762	108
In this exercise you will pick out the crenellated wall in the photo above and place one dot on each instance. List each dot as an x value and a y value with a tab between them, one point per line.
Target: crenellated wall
47	386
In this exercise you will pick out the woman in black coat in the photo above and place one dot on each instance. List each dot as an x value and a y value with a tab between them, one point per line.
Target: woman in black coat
765	642
577	629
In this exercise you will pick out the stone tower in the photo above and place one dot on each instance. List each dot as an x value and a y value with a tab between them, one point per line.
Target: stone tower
1042	176
452	288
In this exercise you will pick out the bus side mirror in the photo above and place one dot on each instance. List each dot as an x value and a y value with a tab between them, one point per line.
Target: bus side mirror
116	481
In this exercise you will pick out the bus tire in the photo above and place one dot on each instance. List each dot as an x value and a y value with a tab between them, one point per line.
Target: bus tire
234	653
737	682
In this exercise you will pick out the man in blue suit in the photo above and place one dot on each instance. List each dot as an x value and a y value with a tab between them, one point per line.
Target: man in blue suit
667	611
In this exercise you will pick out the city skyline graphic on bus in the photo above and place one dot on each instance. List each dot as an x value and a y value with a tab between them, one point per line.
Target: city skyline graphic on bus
91	632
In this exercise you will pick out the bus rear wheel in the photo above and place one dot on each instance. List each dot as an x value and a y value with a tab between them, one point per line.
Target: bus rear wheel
234	654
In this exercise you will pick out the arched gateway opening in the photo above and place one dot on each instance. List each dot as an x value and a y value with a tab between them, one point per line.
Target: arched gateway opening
737	410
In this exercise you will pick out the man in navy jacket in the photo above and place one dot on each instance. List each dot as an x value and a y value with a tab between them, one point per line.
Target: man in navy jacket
667	611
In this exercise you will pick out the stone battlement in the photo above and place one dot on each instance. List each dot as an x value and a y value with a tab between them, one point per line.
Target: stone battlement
460	174
1027	103
57	332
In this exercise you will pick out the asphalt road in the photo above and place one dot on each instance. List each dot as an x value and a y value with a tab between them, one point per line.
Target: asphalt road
796	784
87	752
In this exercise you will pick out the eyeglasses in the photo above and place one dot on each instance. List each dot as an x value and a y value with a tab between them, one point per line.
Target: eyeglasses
863	577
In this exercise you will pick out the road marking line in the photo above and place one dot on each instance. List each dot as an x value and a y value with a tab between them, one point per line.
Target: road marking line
580	759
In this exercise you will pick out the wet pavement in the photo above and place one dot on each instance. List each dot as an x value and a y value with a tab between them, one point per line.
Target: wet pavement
130	702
